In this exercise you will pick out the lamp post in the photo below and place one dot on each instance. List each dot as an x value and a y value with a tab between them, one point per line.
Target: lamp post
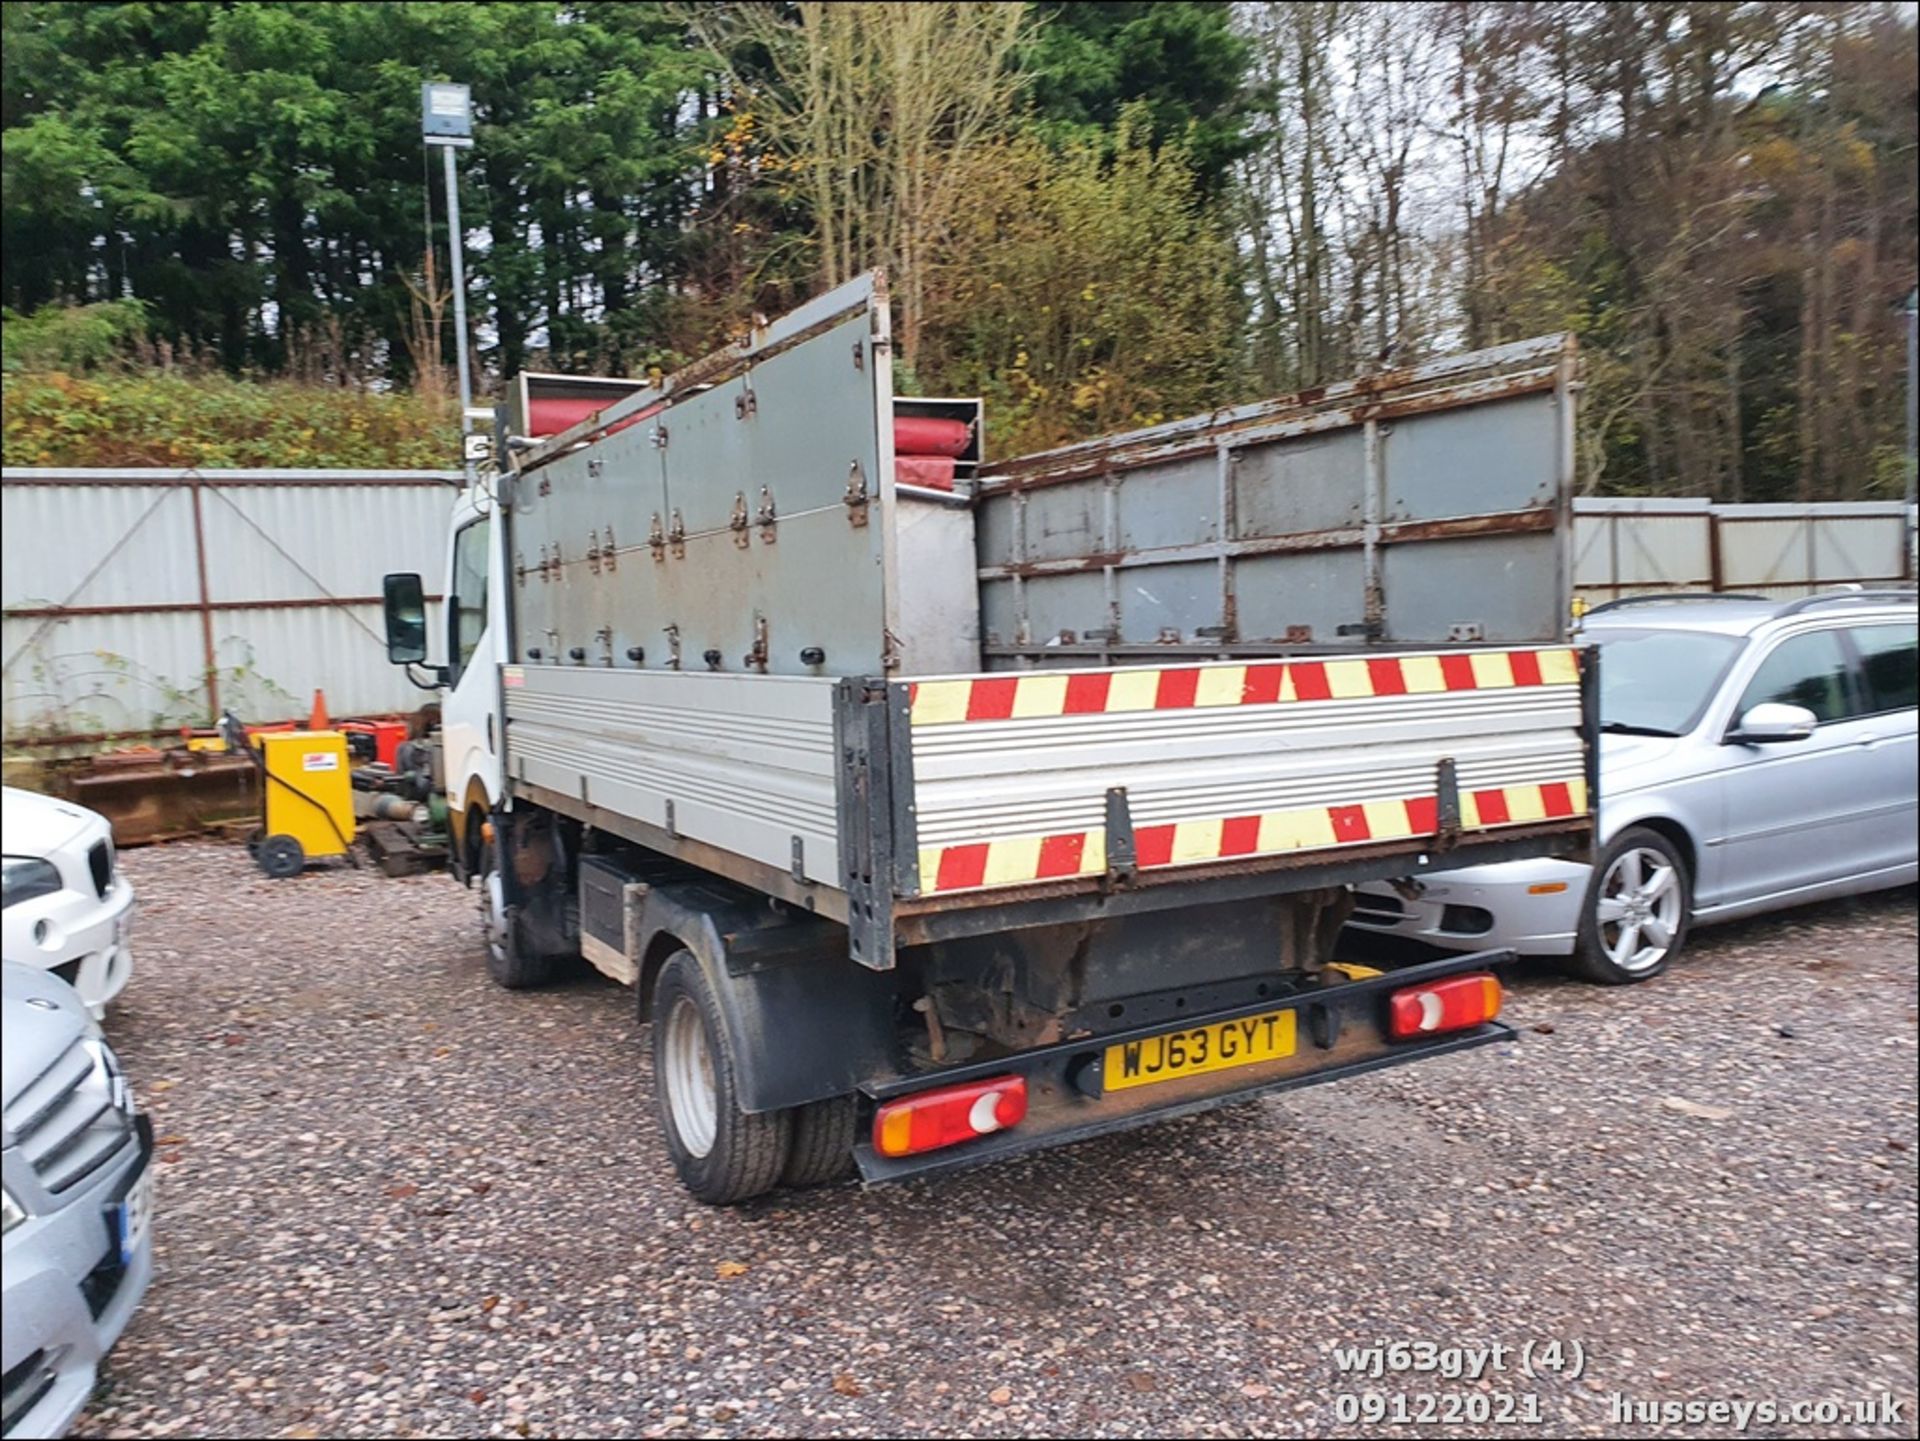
446	120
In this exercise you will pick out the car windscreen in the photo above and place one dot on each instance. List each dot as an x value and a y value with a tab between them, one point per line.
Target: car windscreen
1657	682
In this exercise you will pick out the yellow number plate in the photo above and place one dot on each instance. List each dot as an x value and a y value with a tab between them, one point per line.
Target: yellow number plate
1218	1047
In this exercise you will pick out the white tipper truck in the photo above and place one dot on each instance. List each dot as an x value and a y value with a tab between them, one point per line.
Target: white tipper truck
939	810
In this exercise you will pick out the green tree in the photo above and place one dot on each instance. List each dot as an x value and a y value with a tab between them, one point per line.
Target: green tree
1087	289
1179	63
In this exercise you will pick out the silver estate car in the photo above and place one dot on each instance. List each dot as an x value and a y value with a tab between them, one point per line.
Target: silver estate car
79	1202
1755	754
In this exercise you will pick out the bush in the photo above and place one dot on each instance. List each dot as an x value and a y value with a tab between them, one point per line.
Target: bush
71	338
52	417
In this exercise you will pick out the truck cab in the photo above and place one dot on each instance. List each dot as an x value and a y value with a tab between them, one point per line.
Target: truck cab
474	607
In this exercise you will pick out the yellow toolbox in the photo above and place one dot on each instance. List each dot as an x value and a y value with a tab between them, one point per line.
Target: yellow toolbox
306	801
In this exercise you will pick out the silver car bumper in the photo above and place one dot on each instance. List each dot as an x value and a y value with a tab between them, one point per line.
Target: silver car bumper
68	1295
1532	907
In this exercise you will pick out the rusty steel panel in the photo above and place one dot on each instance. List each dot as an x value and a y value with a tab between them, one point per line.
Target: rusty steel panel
1417	507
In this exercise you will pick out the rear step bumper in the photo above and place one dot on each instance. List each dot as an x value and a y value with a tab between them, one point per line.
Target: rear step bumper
1341	1033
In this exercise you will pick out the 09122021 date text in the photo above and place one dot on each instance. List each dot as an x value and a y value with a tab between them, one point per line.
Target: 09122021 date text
1447	1408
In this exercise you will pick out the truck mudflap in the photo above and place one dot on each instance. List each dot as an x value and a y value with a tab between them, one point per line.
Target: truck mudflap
1096	1085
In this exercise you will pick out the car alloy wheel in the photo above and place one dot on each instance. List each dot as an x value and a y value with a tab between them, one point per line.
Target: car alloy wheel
1640	909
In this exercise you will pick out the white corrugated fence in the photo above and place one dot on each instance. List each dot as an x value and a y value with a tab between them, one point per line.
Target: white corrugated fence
138	601
1628	546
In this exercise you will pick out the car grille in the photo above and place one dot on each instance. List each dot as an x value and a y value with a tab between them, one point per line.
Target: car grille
26	1381
74	1118
102	1283
100	862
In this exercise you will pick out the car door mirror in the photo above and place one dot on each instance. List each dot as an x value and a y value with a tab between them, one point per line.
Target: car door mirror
1772	722
405	604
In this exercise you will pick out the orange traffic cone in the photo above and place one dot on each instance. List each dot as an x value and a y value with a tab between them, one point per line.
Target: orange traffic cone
317	718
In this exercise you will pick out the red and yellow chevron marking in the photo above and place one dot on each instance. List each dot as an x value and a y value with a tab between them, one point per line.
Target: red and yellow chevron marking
1025	859
1112	692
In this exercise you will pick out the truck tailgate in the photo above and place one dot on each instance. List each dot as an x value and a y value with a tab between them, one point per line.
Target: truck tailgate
1011	774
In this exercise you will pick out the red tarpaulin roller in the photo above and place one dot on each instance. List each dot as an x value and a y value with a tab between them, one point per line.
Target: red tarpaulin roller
933	471
930	435
554	413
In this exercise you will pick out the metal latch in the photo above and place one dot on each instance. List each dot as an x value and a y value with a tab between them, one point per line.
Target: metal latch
1447	788
765	517
1122	857
737	522
856	496
756	659
657	538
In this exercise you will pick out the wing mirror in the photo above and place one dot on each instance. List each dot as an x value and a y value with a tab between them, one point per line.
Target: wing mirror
405	605
1772	722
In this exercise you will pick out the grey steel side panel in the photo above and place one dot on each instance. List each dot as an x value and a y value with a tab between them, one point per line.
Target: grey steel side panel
718	518
746	763
939	628
1419	507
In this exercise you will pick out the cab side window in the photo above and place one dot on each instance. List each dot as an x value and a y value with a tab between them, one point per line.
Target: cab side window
1808	670
470	592
1889	656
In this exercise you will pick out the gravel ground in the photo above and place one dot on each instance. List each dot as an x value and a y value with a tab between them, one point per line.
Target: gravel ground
395	1200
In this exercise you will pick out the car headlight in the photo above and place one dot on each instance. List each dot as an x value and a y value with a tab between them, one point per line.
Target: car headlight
23	878
14	1213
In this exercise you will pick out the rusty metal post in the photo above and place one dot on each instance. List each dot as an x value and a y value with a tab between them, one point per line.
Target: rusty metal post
208	657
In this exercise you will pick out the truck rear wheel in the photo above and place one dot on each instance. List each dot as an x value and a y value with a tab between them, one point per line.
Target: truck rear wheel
723	1154
511	962
823	1136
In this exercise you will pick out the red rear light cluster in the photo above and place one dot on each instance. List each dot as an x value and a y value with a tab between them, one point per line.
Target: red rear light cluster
1456	1004
949	1115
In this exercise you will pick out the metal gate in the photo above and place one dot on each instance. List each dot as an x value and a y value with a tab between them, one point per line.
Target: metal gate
138	601
1641	547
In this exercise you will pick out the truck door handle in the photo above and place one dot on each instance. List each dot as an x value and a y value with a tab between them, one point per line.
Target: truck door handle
490	745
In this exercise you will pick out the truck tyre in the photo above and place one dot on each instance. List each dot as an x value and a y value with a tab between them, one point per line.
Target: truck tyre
723	1154
823	1136
511	962
1638	905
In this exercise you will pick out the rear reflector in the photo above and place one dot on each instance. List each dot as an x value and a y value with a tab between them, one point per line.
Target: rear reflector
1455	1004
952	1114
